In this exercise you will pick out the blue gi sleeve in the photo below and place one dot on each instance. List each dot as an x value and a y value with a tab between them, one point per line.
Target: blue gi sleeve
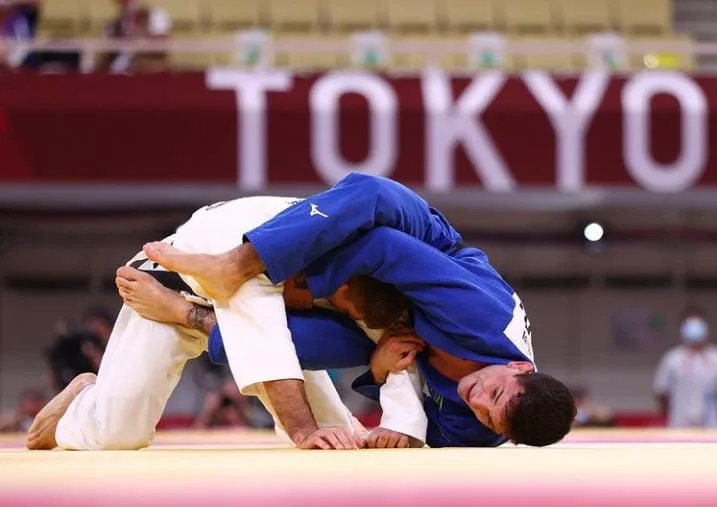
323	340
216	351
365	384
458	301
300	234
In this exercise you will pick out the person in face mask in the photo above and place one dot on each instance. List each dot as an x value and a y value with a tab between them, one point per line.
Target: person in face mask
686	379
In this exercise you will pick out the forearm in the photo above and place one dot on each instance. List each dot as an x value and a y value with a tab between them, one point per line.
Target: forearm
288	399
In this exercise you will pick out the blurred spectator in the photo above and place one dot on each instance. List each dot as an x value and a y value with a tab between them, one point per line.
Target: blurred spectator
223	404
29	404
686	379
223	407
26	16
590	412
137	22
18	21
30	11
74	353
99	321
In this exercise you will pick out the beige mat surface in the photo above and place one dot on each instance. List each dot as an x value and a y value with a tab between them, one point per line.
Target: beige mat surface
237	468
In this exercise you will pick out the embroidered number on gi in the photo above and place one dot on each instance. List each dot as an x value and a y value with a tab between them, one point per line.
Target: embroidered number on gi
518	330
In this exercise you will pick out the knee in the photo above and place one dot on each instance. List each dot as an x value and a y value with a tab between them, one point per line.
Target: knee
129	438
125	424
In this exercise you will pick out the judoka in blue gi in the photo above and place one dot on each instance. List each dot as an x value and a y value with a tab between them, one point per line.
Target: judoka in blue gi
481	387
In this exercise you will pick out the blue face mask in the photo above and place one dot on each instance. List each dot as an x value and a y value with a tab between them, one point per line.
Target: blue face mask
694	330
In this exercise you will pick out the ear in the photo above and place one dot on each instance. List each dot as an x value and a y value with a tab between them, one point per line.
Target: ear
521	366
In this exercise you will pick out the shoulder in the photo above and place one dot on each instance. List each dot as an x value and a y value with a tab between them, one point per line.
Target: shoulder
675	354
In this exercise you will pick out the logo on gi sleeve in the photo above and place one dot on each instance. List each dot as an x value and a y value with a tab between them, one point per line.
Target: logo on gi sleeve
315	211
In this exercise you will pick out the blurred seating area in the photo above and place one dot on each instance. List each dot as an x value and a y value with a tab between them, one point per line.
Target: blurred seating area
400	17
300	31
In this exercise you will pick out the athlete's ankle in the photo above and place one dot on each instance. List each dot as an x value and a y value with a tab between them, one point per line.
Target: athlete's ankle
245	264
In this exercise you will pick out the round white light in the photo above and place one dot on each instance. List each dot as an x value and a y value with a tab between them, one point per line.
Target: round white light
594	232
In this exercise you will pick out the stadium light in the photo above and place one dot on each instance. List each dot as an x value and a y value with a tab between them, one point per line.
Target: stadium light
594	232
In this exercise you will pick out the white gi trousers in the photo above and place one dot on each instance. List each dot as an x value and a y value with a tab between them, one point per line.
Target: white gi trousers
139	371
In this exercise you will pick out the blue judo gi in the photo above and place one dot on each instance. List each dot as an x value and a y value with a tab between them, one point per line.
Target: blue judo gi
459	303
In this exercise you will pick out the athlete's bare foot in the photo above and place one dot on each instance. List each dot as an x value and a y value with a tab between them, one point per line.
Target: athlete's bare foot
149	298
219	275
41	435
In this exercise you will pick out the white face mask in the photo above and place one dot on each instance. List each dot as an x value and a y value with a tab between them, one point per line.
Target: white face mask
694	330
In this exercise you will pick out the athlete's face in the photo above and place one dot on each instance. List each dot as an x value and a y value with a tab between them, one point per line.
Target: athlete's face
489	390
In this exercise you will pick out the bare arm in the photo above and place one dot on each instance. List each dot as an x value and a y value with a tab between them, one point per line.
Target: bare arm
288	397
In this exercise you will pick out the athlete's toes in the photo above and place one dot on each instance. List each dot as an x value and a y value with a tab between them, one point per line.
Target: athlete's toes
123	283
154	250
165	254
127	273
176	260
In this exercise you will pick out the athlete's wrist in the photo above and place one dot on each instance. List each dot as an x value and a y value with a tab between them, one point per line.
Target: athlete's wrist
299	435
379	374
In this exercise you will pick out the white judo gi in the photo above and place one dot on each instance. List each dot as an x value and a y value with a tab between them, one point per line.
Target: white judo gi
144	359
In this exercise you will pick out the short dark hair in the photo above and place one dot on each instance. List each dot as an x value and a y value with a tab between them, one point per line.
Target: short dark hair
382	304
543	413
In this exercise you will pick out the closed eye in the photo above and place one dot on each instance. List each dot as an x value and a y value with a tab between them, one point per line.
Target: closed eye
496	394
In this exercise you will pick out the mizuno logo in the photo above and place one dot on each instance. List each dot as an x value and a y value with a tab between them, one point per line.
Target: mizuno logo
315	211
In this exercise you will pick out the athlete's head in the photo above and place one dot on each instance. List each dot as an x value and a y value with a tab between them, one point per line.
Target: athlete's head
378	304
527	407
296	293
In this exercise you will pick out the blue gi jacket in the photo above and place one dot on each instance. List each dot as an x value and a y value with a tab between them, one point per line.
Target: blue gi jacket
373	226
